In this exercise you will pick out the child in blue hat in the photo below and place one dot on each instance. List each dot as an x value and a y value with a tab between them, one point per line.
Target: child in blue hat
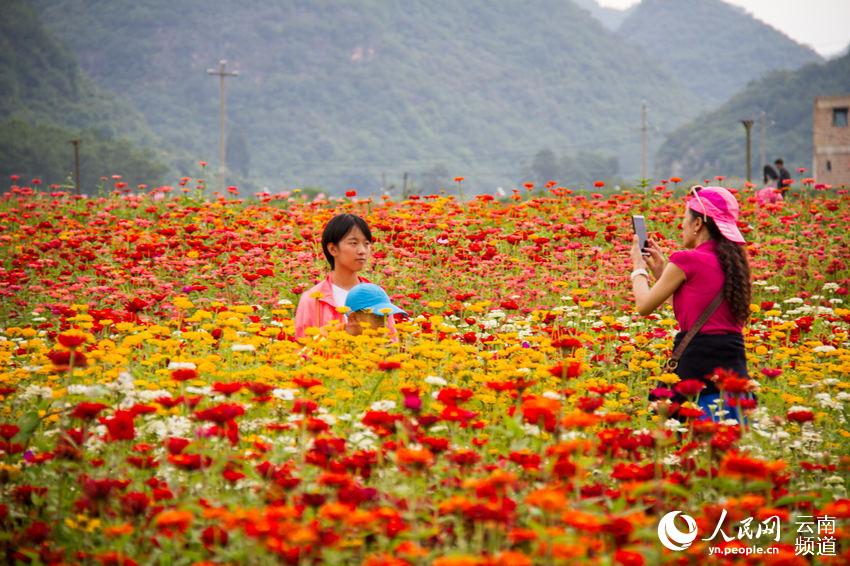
369	307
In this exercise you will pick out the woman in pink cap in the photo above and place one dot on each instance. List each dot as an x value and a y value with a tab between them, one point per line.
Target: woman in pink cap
714	264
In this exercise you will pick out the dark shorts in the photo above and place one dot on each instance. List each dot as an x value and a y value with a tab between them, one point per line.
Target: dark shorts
708	352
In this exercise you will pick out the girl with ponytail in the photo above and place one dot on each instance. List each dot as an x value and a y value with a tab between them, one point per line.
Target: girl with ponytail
714	262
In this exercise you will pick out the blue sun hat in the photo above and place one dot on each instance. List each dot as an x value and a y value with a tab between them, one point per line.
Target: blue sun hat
372	297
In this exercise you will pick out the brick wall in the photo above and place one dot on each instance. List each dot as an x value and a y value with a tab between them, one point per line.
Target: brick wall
831	144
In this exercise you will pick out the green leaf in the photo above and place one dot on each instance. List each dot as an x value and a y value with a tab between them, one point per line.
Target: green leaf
27	425
791	499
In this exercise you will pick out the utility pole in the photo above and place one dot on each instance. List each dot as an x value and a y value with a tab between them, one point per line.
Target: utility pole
643	129
762	120
748	125
76	144
222	74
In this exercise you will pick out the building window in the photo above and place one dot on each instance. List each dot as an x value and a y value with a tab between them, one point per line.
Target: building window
839	117
829	165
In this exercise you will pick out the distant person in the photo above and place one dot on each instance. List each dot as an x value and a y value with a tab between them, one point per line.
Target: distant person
370	307
769	194
784	177
770	176
347	244
710	284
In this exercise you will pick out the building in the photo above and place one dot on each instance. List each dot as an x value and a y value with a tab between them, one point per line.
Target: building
831	140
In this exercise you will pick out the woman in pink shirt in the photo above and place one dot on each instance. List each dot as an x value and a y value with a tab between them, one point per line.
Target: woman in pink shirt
714	261
347	244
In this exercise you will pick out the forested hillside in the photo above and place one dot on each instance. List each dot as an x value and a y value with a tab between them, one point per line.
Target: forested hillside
711	46
338	93
715	142
47	101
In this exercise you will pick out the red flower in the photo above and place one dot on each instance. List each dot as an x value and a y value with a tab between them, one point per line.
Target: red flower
351	193
120	426
227	388
573	369
628	558
304	406
175	445
589	404
689	387
381	421
221	413
71	340
62	359
800	416
184	374
87	411
453	396
8	431
134	503
385	365
457	414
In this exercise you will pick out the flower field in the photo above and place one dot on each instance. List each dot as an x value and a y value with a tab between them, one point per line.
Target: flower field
156	409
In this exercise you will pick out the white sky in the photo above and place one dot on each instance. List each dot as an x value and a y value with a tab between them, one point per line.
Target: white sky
823	25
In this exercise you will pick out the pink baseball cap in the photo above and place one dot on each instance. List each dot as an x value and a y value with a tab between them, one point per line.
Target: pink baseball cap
721	206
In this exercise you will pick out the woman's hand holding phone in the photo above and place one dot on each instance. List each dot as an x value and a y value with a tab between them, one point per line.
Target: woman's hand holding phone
654	258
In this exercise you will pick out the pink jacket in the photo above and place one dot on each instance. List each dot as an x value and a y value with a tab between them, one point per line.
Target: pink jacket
317	313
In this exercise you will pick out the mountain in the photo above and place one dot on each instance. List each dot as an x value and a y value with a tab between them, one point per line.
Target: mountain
713	47
714	143
611	18
338	93
48	100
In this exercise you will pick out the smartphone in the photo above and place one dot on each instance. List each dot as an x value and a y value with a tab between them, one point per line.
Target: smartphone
639	225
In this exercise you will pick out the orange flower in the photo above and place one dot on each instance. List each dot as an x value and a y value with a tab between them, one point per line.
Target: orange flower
511	558
839	509
421	458
335	511
174	520
454	504
579	419
547	499
742	466
118	530
459	560
384	560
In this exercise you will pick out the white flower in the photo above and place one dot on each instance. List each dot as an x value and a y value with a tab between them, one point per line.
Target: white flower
831	286
383	405
243	347
87	390
284	394
531	430
34	391
551	395
284	302
363	440
794	301
182	365
826	400
671	460
153	395
436	380
823	349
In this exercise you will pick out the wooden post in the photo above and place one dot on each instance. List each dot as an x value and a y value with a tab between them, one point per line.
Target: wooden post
222	74
76	144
